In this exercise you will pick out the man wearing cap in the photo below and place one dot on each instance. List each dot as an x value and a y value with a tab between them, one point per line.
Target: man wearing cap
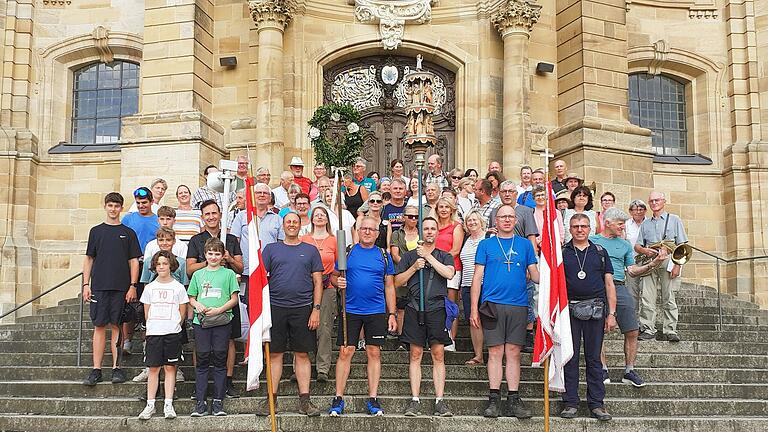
499	291
572	181
563	200
666	277
297	169
558	182
358	175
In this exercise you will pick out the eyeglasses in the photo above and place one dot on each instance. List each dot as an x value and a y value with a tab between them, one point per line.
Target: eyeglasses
141	192
302	204
375	201
505	216
411	217
507	191
638	209
368	229
578	227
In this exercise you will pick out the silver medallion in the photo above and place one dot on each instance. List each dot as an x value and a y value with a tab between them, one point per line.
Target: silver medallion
581	275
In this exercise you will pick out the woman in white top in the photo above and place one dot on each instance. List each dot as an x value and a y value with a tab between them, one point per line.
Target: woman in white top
474	224
414	193
581	197
397	168
466	196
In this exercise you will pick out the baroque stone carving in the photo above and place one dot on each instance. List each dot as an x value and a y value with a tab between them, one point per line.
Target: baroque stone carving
392	16
358	88
101	42
437	93
660	54
275	12
516	15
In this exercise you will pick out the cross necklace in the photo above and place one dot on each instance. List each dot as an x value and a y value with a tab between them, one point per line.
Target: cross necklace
507	257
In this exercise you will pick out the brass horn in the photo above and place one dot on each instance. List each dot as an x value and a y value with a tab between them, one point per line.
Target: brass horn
680	254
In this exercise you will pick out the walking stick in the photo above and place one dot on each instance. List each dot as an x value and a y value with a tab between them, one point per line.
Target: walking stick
270	391
546	395
341	248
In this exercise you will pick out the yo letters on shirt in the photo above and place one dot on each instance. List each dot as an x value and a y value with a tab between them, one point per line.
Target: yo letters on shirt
506	262
164	300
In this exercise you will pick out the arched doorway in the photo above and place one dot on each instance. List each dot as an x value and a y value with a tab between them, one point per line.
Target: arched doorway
373	85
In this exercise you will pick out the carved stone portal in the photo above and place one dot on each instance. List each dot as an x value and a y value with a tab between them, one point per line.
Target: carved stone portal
392	16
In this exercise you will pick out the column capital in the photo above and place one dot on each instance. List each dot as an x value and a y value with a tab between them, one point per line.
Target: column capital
272	13
516	16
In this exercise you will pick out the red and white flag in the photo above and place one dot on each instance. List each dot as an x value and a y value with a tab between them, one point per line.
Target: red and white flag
553	332
259	312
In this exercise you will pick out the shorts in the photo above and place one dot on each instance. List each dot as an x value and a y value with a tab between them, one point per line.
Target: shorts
510	326
163	350
290	331
432	332
455	281
626	316
234	323
374	326
466	300
107	307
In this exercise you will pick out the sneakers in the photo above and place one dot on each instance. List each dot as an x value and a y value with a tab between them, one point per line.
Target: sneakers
142	376
262	409
217	408
601	414
516	408
322	377
169	412
307	408
606	378
147	413
361	345
492	410
644	336
201	409
451	347
118	376
127	347
569	413
93	378
633	378
673	338
179	375
231	392
337	407
374	407
413	409
441	409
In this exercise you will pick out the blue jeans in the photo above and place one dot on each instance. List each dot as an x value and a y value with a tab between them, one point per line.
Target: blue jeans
211	345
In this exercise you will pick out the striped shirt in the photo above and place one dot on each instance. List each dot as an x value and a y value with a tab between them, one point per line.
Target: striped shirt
188	223
467	256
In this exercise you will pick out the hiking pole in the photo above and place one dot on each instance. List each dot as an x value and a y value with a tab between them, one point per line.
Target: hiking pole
421	314
341	245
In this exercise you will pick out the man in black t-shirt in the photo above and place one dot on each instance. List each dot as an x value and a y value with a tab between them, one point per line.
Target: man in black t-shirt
438	269
110	274
393	212
233	259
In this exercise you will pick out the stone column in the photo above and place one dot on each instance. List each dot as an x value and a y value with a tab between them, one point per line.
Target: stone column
175	120
594	135
18	158
271	18
514	20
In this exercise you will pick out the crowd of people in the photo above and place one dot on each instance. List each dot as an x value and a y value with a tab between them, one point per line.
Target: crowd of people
473	258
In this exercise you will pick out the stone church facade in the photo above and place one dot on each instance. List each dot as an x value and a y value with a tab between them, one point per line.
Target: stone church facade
106	95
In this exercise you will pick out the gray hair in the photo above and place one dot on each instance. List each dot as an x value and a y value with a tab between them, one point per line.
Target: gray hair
615	214
261	186
399	180
294	187
506	183
361	160
285	175
638	203
262	170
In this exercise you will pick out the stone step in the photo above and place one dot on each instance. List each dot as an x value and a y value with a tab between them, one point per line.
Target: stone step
365	423
400	387
460	406
453	372
615	359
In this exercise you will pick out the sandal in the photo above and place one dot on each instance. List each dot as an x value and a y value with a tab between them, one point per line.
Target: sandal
473	362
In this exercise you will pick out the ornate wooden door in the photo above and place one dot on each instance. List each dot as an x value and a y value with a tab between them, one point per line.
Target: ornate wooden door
373	86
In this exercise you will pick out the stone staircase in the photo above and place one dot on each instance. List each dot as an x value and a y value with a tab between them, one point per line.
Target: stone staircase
712	380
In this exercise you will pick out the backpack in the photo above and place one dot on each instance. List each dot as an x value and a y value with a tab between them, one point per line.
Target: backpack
384	256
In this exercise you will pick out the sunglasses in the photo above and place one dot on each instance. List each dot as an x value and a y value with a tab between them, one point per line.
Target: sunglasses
456	177
411	217
141	193
375	201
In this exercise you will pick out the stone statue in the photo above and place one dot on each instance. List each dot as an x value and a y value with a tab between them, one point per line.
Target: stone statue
420	129
419	59
416	93
410	127
428	93
430	126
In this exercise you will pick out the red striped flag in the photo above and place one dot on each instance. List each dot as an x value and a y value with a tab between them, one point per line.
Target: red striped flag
553	332
259	313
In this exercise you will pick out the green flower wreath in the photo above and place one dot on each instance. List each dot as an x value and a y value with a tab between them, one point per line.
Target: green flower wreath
336	150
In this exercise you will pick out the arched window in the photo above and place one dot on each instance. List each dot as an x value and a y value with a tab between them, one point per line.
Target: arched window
102	94
657	102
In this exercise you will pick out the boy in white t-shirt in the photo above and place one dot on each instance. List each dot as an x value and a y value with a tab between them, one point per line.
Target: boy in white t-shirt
164	306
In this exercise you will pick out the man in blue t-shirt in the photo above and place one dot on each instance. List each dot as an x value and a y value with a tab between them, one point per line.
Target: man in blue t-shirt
143	222
370	307
499	284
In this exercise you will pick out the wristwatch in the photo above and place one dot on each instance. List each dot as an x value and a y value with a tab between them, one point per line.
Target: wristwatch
317	307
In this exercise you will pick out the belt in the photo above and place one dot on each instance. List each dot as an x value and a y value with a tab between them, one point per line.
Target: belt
618	282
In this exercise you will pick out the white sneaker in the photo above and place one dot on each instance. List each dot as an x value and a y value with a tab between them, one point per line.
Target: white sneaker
142	376
451	347
361	345
127	347
179	376
170	413
147	413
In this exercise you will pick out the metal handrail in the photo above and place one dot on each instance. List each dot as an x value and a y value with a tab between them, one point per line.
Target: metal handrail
718	260
50	290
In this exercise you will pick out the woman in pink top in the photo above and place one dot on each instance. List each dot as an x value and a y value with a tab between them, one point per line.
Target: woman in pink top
540	197
450	236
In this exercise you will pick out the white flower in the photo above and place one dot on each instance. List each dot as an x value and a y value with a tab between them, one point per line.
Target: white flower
335	116
314	132
353	127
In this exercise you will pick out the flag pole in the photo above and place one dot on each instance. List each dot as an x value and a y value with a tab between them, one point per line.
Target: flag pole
267	359
546	394
547	155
